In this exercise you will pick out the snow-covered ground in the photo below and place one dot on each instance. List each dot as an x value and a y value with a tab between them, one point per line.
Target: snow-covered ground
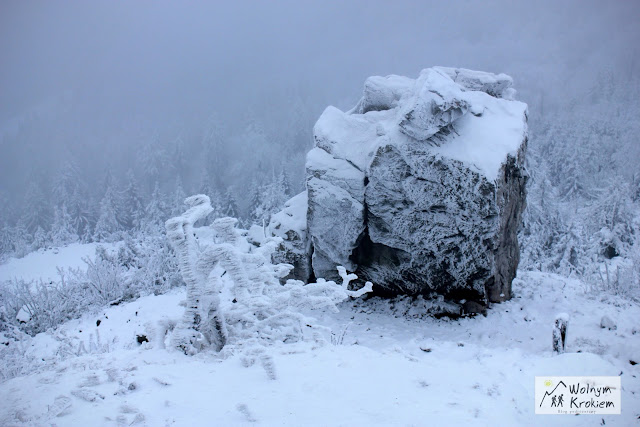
384	364
42	264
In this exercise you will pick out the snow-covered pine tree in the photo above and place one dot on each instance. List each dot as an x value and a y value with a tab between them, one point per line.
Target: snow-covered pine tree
156	212
207	183
40	239
132	203
254	210
611	219
62	230
36	208
80	214
284	183
153	160
6	234
177	203
67	181
20	239
212	145
229	205
272	200
109	224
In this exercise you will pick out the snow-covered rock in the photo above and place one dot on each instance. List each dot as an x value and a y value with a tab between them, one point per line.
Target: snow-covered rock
498	86
290	224
607	323
434	104
421	186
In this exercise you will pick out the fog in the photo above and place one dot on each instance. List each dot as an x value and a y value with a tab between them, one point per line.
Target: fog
99	80
159	58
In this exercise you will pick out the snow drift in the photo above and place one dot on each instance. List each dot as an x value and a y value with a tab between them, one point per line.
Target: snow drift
419	188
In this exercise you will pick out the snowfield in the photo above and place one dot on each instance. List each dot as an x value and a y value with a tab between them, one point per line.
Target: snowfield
385	363
43	264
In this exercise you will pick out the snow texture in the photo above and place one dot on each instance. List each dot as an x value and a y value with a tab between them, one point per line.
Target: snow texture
420	187
393	366
44	263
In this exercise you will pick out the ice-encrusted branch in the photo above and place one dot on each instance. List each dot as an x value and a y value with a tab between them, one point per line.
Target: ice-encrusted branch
347	278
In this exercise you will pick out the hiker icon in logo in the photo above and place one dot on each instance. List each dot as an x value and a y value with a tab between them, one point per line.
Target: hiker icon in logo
556	401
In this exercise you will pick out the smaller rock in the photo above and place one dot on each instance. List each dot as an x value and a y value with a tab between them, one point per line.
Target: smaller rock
560	332
290	224
607	323
141	339
496	85
437	103
472	307
382	93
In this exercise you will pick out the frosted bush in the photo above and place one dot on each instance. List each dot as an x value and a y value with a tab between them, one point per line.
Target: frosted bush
141	265
234	296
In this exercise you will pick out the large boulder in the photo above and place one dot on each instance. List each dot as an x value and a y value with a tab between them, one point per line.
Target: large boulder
420	188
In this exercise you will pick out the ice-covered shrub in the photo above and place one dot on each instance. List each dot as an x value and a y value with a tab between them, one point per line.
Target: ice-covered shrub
13	353
35	306
234	296
141	265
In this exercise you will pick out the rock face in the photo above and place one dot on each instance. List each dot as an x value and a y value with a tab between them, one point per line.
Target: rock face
420	188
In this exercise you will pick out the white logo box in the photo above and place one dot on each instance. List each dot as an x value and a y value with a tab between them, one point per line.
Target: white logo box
578	395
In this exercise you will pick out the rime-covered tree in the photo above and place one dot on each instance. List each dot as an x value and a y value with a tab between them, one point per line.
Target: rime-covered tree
153	159
132	203
177	203
40	239
229	205
206	185
284	183
156	211
62	231
109	223
6	235
67	181
212	144
20	239
36	211
254	209
271	199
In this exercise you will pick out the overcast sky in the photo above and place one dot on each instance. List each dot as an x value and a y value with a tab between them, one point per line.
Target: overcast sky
184	57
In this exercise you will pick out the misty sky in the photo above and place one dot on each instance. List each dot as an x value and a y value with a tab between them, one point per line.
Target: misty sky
181	58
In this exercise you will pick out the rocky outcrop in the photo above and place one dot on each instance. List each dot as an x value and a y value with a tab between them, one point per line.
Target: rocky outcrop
420	188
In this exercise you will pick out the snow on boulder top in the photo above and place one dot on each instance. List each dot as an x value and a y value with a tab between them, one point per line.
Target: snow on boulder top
495	85
460	114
